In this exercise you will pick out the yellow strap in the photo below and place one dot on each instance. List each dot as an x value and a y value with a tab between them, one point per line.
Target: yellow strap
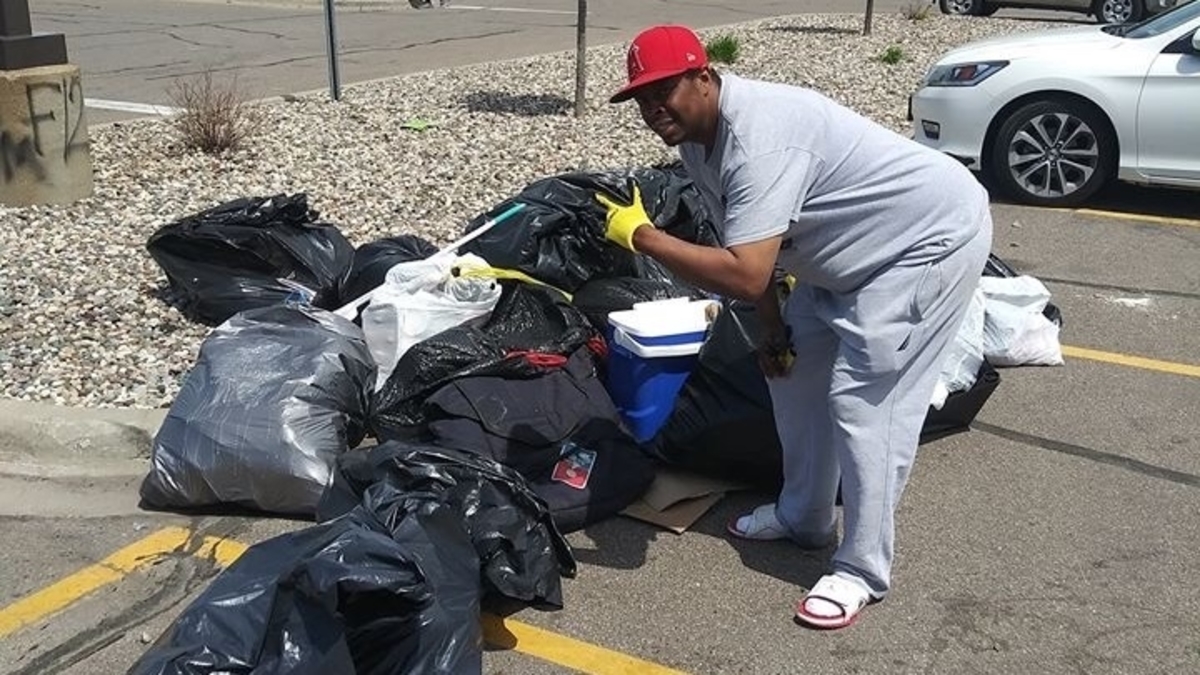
501	273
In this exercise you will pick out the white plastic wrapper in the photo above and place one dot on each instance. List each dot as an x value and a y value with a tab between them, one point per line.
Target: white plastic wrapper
961	366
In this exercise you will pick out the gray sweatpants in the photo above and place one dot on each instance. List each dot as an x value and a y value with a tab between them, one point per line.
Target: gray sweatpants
854	402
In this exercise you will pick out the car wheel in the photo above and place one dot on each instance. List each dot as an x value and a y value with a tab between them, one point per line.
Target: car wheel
1055	152
1118	11
961	7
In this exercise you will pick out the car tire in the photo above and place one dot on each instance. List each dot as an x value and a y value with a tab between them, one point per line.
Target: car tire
1053	152
1118	11
962	7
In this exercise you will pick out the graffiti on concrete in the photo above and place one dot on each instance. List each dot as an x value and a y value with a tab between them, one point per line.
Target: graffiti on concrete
50	132
20	154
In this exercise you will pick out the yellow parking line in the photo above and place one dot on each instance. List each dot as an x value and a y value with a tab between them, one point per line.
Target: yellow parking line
222	551
1142	217
1132	361
565	651
506	634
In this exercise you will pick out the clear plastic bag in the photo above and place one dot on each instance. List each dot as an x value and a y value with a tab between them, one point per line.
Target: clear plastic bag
420	299
1016	331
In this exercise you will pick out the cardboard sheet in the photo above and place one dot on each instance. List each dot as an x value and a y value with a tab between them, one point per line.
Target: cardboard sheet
677	499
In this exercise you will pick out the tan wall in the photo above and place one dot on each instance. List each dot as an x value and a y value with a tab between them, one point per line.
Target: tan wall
44	156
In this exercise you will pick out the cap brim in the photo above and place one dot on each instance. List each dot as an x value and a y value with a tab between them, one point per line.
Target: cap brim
627	92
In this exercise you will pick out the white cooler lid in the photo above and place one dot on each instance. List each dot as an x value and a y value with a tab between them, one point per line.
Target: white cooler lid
676	316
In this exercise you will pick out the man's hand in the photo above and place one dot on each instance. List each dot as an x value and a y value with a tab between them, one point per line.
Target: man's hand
775	353
623	220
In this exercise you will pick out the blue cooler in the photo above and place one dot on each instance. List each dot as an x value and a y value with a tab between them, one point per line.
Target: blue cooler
652	351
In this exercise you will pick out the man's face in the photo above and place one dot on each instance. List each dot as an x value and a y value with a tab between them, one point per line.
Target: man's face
674	108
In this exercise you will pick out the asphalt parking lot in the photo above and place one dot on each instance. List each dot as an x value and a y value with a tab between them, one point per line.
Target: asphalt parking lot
1059	535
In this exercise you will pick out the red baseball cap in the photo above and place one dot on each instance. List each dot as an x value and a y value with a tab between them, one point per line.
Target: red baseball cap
660	52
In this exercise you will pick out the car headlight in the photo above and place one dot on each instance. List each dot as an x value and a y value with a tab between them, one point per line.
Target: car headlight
962	74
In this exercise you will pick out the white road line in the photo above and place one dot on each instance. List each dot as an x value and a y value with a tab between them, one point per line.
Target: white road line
126	106
519	10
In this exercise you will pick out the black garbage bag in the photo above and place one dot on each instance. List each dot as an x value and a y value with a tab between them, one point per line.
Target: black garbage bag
354	596
252	252
276	395
522	555
961	407
372	262
528	322
558	238
560	431
600	296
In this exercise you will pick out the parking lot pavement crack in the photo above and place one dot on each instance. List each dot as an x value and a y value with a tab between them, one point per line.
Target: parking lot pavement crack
267	64
133	69
1099	456
1121	289
429	43
194	43
247	31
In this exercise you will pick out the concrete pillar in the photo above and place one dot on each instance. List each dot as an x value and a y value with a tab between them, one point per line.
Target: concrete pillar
44	156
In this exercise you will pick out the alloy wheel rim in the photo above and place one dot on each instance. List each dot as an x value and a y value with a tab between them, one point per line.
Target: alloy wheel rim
960	6
1116	11
1053	155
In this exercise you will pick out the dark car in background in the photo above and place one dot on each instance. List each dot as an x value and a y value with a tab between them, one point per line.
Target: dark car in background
1105	11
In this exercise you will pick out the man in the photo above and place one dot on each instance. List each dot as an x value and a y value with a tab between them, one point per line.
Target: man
887	240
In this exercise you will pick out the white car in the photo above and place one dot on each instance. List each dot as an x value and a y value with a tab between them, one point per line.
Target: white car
1052	116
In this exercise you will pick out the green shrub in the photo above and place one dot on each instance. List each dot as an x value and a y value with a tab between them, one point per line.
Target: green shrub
892	55
723	49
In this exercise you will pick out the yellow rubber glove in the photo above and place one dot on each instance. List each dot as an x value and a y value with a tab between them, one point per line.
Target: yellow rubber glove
623	220
775	354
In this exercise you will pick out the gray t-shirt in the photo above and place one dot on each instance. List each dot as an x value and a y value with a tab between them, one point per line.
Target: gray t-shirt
848	195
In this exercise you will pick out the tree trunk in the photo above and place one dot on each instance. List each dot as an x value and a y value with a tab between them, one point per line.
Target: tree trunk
581	59
867	19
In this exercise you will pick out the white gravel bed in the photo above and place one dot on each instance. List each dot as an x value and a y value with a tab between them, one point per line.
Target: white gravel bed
81	322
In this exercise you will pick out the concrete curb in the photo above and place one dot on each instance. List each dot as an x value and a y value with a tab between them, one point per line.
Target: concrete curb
39	440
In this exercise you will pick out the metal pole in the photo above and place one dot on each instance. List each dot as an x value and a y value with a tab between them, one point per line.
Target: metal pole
581	58
331	51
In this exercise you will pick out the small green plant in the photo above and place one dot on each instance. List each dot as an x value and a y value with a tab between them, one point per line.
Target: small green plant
214	116
892	55
417	124
723	49
916	10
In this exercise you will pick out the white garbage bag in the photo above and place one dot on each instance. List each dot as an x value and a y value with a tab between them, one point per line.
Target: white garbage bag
1015	332
422	298
961	366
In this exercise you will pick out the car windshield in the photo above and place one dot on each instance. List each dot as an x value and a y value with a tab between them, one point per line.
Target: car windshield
1159	24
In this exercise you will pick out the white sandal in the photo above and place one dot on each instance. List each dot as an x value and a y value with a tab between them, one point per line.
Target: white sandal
843	596
758	525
